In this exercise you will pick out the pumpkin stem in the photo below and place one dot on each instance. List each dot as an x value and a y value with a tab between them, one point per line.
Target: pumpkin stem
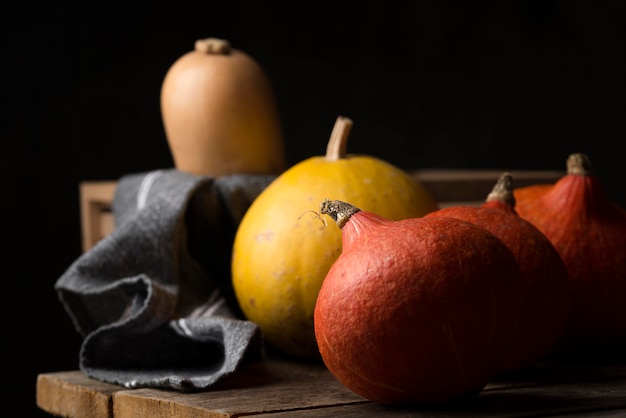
338	142
213	46
338	210
579	164
502	190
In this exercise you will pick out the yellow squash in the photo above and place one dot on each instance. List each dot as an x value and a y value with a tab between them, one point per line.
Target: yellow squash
283	249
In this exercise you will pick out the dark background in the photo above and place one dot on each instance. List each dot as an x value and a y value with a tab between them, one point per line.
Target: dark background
429	84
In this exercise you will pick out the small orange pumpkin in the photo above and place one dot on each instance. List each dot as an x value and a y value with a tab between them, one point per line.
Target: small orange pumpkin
545	287
416	311
589	232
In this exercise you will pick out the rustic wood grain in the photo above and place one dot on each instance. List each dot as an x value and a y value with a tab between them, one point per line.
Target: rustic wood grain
72	394
456	187
282	388
260	388
96	198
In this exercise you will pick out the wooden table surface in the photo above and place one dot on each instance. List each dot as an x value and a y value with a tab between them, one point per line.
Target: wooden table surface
284	388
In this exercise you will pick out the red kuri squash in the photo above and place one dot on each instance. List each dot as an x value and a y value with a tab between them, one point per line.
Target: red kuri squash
415	311
589	232
545	287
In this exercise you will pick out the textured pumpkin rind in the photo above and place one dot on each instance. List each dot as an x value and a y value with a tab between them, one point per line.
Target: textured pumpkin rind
546	288
220	115
282	250
589	232
422	318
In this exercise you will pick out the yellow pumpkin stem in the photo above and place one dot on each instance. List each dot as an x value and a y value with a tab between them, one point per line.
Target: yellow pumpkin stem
213	46
338	142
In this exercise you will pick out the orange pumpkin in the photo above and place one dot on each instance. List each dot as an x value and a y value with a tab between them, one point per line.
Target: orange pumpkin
415	311
589	232
546	289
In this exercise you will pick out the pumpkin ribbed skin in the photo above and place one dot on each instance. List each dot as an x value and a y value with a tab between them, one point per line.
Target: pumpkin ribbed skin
589	232
546	288
282	250
417	311
220	114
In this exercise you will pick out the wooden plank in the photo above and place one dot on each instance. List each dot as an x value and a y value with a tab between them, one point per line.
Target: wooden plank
547	390
72	394
96	198
259	388
454	186
280	389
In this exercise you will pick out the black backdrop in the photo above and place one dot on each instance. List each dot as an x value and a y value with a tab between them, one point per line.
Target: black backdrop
429	84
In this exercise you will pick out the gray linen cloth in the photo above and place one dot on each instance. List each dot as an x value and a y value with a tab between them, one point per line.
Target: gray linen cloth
153	300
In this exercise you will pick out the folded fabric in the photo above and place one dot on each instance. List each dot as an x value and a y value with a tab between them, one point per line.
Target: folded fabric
153	300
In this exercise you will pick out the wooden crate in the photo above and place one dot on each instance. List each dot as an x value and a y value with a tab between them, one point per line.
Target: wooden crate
448	187
96	217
